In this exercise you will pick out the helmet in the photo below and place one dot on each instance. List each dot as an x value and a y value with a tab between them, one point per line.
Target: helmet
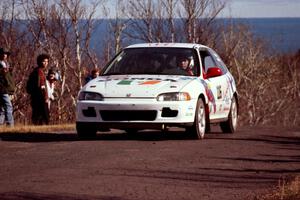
186	56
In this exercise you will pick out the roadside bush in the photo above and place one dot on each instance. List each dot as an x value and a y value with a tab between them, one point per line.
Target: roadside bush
268	83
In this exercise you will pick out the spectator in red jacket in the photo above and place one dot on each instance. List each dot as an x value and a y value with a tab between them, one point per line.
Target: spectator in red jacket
36	87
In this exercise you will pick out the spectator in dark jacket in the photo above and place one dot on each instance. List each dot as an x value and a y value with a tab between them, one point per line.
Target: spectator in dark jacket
7	88
36	87
94	74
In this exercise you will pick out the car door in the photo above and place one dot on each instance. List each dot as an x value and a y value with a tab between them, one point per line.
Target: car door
215	86
229	85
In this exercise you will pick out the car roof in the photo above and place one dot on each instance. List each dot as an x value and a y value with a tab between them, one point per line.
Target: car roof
169	45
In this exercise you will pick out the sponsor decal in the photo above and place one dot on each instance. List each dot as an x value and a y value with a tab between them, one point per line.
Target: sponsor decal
229	90
149	82
189	114
187	78
210	97
128	81
210	108
219	91
139	79
230	82
124	82
220	109
190	111
191	107
160	44
226	108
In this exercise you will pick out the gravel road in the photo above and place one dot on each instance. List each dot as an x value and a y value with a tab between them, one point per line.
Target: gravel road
150	165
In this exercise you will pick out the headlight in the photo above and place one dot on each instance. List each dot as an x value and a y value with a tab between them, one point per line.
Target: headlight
174	96
90	96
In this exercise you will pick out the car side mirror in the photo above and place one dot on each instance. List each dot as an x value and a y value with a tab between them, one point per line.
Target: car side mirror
213	72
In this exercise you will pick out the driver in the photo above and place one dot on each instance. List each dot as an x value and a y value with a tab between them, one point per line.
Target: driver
185	63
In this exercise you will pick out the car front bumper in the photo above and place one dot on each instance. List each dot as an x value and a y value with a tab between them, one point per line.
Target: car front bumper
137	112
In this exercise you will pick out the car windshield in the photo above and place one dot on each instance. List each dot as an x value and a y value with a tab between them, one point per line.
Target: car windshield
164	61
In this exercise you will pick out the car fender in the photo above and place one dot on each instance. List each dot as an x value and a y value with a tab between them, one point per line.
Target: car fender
196	88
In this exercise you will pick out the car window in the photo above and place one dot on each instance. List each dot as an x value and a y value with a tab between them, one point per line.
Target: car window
153	61
207	60
219	61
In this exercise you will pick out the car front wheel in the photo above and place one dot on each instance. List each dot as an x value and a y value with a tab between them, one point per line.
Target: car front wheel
86	131
198	129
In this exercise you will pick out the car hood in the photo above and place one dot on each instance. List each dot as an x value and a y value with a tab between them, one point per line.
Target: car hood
136	86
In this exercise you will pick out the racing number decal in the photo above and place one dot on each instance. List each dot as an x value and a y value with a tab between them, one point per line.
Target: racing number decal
219	92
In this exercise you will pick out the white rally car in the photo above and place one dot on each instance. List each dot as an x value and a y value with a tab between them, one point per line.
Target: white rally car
160	85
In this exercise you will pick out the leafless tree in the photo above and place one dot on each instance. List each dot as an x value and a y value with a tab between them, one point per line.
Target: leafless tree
63	29
141	13
288	90
169	6
197	16
117	25
158	21
13	37
268	83
245	63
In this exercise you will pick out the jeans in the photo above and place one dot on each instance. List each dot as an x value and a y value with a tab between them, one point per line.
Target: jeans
6	110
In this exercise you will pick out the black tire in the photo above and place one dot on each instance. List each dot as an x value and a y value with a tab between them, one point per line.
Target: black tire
86	131
230	125
199	127
131	131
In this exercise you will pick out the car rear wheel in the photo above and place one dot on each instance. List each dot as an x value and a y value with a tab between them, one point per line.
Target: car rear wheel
199	126
86	131
230	125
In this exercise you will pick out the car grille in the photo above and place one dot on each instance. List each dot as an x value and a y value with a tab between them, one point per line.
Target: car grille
128	115
89	112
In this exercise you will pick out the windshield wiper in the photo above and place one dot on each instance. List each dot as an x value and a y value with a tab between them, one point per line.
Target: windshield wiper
113	73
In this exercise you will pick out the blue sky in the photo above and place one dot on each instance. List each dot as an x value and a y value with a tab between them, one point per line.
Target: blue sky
254	8
262	8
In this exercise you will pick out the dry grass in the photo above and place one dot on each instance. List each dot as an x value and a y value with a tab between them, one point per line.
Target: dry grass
287	189
37	129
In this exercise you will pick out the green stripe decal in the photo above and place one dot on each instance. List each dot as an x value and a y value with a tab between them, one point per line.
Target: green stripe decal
125	82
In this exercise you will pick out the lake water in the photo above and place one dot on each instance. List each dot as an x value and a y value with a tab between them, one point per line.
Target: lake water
282	33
